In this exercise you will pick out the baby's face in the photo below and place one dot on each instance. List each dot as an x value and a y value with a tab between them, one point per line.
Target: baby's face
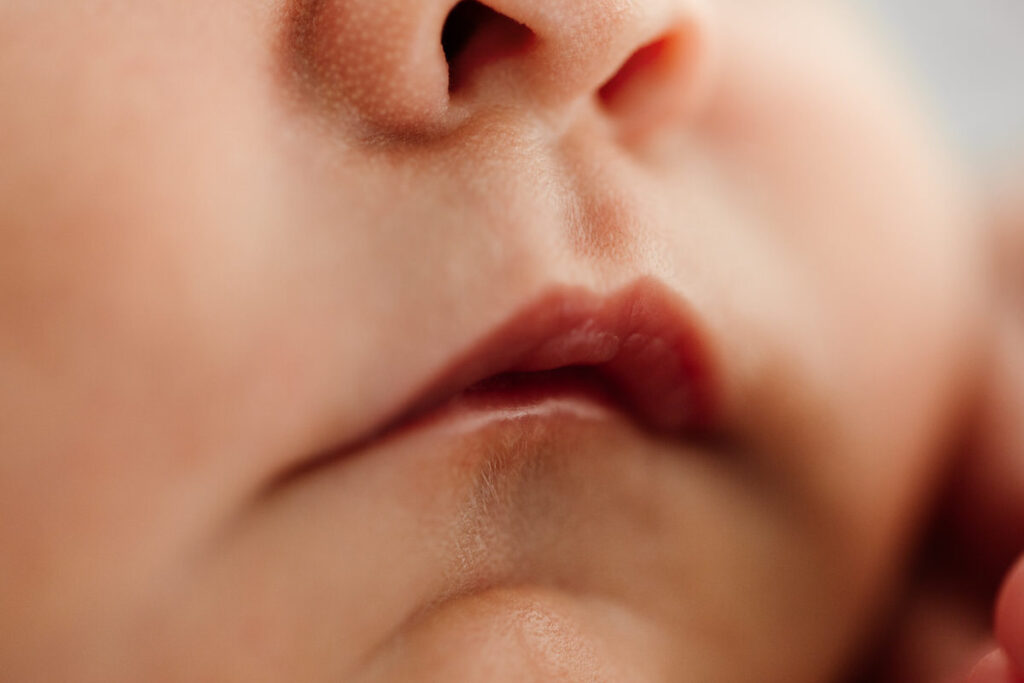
260	260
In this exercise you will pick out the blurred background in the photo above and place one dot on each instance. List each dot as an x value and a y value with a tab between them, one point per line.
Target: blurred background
969	54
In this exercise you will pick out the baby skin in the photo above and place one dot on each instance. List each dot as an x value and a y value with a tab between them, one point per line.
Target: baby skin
394	340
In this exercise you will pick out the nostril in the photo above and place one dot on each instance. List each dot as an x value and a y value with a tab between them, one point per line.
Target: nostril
647	63
463	21
662	84
475	35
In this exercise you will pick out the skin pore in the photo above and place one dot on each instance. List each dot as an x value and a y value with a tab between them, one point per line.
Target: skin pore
236	236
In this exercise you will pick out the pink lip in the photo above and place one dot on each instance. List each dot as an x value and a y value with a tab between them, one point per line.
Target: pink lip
640	342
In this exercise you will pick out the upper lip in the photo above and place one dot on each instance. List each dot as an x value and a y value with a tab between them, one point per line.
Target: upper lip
642	340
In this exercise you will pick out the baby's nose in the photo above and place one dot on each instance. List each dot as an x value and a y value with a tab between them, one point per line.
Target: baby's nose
417	68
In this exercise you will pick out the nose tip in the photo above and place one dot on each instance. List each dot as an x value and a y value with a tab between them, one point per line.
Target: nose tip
419	67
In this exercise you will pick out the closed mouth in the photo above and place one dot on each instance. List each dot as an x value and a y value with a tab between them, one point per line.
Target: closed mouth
637	351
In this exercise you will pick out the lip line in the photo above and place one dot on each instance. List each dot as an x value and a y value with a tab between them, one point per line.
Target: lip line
535	340
643	328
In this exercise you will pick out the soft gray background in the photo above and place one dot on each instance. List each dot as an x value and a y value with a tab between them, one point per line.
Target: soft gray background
970	55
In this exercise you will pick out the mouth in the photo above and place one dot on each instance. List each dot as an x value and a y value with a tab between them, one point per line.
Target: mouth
639	352
553	455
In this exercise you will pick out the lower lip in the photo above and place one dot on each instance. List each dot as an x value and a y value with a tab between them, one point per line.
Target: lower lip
562	401
569	393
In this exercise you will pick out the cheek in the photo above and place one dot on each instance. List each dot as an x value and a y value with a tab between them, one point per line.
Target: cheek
126	314
859	200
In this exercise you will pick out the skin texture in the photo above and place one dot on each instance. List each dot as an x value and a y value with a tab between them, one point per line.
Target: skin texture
234	235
